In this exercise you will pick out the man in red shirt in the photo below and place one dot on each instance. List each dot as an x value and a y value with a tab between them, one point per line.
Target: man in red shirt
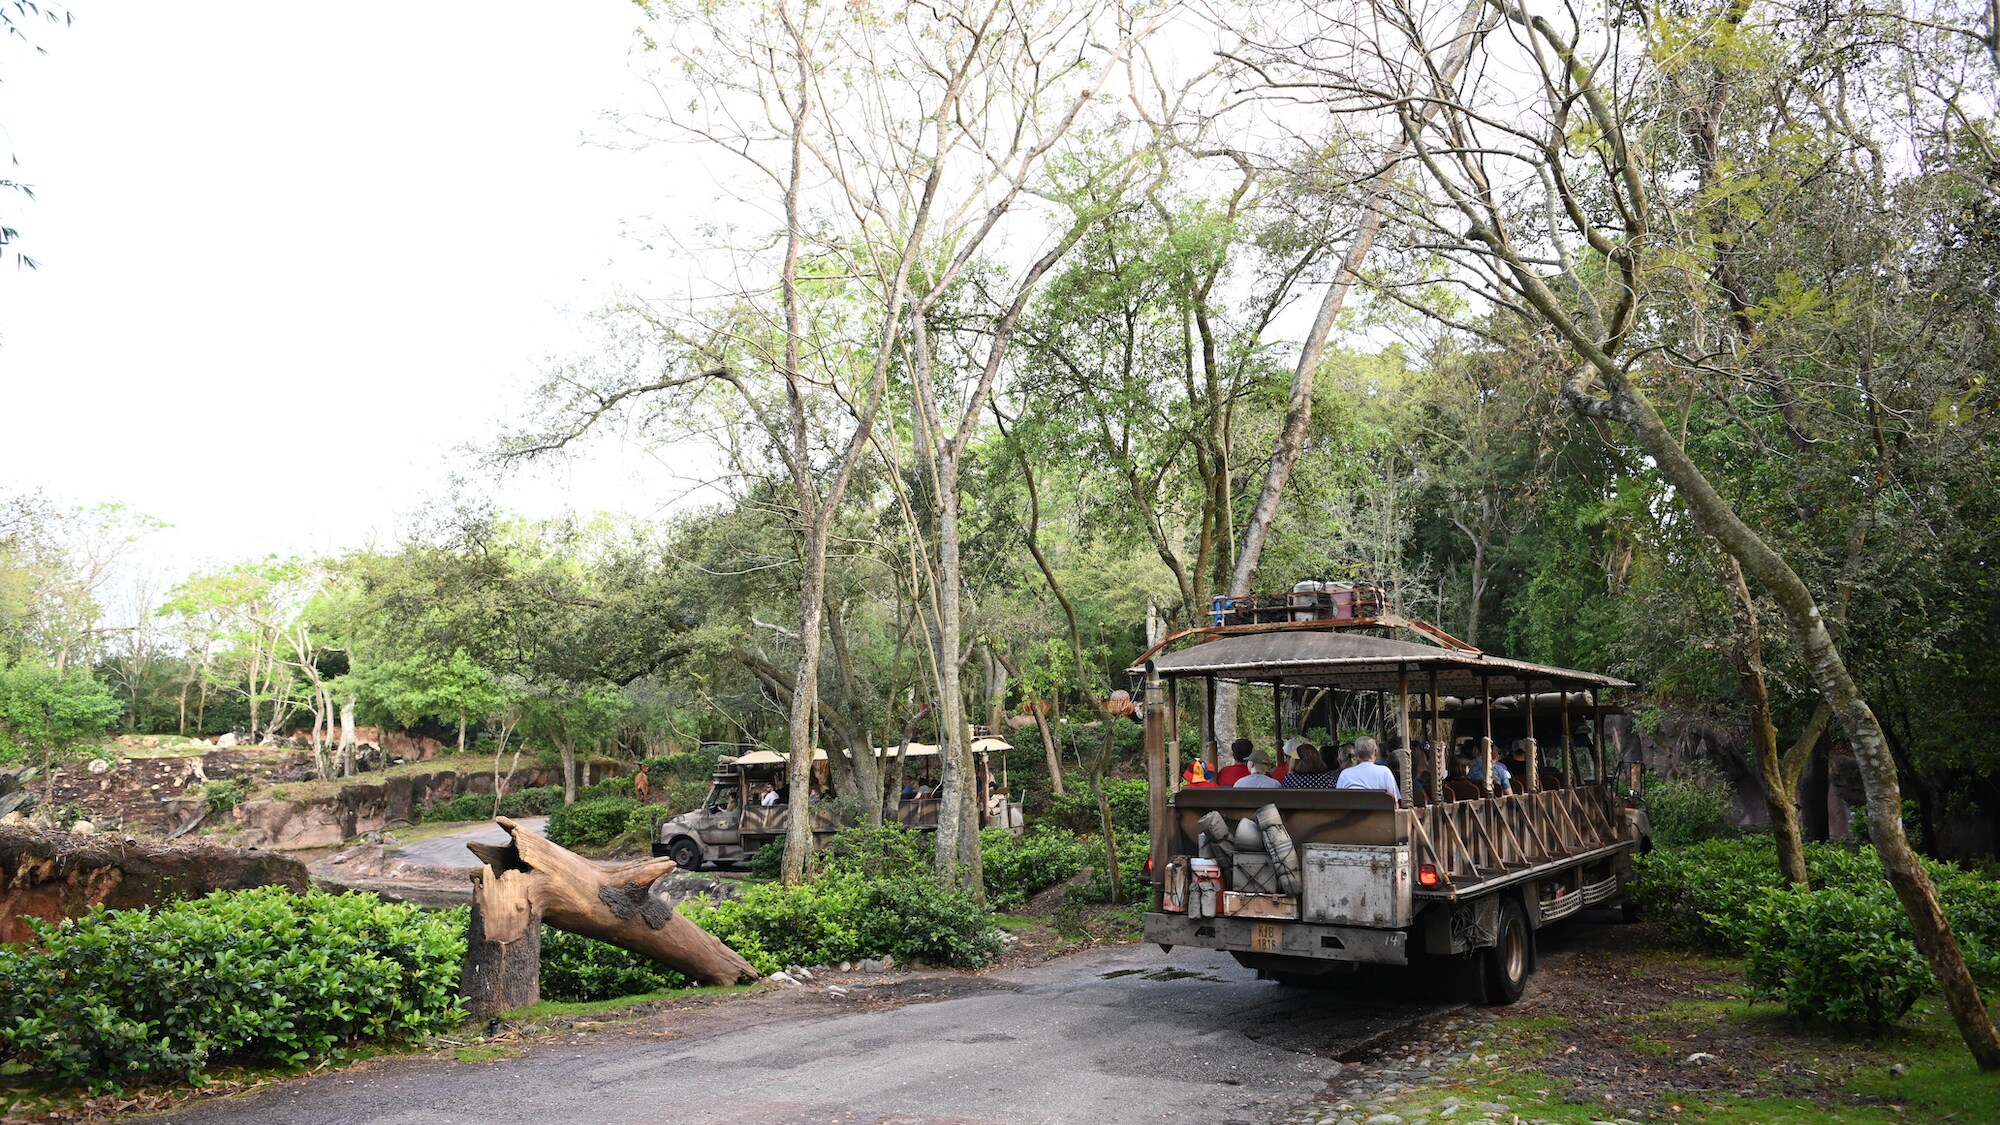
1237	770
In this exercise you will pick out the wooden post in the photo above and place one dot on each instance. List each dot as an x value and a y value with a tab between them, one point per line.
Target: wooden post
1408	770
1438	748
1534	782
1569	745
530	880
1174	731
1278	720
1486	738
1210	751
1154	700
1597	737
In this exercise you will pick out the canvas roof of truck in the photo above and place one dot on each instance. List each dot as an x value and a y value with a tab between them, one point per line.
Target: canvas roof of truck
1358	661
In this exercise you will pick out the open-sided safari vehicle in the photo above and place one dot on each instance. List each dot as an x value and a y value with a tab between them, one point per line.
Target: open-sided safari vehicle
1453	877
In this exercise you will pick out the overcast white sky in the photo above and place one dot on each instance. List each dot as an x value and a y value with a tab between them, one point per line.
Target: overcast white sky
293	256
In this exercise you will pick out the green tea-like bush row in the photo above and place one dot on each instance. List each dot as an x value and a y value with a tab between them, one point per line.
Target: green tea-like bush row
1018	869
593	822
873	893
1841	951
538	801
575	967
1076	810
261	975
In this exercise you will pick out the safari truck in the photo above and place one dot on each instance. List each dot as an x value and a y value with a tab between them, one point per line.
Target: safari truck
731	824
1453	877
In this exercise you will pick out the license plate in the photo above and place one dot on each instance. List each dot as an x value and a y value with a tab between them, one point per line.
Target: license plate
1265	937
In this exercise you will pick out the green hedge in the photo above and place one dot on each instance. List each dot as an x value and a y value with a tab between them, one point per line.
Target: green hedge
261	975
1018	869
872	894
575	967
1076	810
1693	807
1841	951
538	801
592	823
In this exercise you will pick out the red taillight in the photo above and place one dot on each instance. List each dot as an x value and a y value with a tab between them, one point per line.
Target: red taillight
1149	865
1427	875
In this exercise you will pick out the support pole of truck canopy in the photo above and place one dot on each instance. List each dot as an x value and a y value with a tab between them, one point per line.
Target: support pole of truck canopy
1174	732
1569	746
1211	749
1597	738
1156	777
1486	738
1278	723
1437	743
1403	732
1534	758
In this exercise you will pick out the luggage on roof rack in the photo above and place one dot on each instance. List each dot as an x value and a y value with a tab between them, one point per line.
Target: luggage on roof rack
1308	601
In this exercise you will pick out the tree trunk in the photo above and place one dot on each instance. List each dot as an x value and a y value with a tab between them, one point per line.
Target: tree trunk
566	748
461	732
1778	796
503	947
347	736
1630	405
624	904
805	699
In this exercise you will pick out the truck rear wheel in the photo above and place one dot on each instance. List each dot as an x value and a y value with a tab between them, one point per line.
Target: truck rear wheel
685	853
1508	960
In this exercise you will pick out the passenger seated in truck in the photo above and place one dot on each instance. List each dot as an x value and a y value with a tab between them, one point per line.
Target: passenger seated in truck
770	796
1196	776
1369	772
1259	776
1239	768
1503	781
1310	771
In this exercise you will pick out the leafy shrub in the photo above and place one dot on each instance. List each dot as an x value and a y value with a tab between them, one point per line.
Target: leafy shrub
1840	952
1693	807
1076	810
1834	955
575	967
1132	850
591	823
465	806
1018	869
888	852
1685	888
218	797
609	787
541	800
645	820
769	862
844	916
252	976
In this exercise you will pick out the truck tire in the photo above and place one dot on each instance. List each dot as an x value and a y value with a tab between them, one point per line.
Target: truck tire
685	853
1510	958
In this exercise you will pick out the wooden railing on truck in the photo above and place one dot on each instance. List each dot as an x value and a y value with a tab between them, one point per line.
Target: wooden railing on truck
1472	841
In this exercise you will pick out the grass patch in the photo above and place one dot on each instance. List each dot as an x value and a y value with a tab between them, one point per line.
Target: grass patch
559	1009
485	1052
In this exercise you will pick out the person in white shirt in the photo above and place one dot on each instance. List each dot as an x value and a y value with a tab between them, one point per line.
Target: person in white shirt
770	796
1369	772
1259	776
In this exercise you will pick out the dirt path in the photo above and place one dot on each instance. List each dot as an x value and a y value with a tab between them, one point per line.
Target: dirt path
1113	1035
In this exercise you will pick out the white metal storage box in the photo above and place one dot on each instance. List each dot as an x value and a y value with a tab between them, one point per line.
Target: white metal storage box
1358	885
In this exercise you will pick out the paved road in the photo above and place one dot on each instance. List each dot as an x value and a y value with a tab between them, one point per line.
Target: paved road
449	850
1109	1036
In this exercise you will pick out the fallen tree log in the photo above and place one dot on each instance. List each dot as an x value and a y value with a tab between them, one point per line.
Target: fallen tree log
531	880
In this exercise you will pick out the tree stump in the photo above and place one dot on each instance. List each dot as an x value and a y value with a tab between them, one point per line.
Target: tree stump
530	880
